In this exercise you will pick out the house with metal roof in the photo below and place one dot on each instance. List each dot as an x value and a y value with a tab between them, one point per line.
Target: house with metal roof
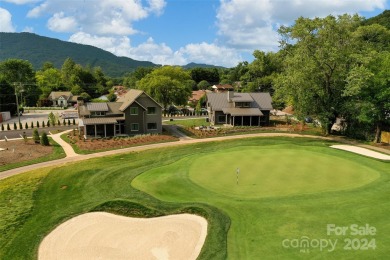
239	109
62	98
132	114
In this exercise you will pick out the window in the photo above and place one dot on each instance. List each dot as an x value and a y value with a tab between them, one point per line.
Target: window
133	110
152	126
221	119
134	127
151	110
98	113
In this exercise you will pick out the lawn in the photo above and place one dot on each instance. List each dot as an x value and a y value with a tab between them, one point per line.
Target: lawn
190	122
245	222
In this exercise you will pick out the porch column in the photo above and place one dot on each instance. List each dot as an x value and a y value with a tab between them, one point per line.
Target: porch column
114	130
250	121
95	131
105	130
259	120
226	119
233	120
242	120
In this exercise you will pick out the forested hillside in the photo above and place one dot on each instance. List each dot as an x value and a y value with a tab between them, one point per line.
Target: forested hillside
382	19
38	50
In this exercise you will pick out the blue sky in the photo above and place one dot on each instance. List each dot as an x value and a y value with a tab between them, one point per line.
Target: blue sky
174	32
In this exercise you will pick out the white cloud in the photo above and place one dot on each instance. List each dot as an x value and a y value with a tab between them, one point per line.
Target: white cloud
160	53
6	21
21	2
210	54
252	24
60	23
110	17
28	29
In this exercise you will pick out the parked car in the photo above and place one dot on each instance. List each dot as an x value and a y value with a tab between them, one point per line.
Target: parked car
172	110
204	111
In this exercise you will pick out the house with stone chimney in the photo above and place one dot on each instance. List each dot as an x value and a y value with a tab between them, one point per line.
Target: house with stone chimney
239	109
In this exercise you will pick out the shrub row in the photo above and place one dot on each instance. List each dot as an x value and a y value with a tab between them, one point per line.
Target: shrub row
37	125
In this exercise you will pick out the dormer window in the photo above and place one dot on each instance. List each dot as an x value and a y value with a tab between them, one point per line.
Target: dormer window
98	113
242	104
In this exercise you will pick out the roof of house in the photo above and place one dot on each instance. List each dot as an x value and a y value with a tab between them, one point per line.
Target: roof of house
54	95
197	95
100	120
74	98
111	108
235	111
97	106
131	97
242	97
219	101
222	86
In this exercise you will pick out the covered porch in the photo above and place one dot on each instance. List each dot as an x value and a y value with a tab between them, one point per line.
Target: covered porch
243	116
101	127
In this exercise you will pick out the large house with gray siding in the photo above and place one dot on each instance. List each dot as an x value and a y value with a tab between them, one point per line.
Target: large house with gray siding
239	109
134	113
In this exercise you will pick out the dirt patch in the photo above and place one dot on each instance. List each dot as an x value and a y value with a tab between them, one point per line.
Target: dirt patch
96	144
19	151
215	132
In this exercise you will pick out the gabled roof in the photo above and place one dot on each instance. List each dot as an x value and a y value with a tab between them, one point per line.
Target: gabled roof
197	95
131	97
54	95
219	101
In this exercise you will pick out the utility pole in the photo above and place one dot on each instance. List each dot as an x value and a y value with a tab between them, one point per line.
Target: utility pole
17	101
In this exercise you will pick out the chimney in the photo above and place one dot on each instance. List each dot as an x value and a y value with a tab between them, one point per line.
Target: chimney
230	95
80	101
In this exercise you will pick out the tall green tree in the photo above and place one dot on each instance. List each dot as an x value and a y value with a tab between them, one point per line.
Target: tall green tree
67	72
319	56
168	85
49	80
20	75
131	79
368	85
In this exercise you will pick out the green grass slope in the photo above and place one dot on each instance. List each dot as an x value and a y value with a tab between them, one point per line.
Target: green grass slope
33	204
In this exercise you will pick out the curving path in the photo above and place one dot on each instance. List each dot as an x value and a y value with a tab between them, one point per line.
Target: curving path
73	157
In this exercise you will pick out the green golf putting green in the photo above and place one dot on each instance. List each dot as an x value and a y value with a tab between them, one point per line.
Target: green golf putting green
269	172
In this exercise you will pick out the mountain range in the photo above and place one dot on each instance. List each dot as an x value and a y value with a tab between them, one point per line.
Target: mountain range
40	49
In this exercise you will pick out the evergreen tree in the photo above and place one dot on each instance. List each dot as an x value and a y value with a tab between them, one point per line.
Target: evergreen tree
44	139
36	136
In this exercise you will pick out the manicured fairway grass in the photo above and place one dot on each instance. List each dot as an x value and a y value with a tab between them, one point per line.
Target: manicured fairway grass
280	171
241	226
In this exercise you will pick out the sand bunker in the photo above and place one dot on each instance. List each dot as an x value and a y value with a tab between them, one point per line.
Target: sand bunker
362	151
101	235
